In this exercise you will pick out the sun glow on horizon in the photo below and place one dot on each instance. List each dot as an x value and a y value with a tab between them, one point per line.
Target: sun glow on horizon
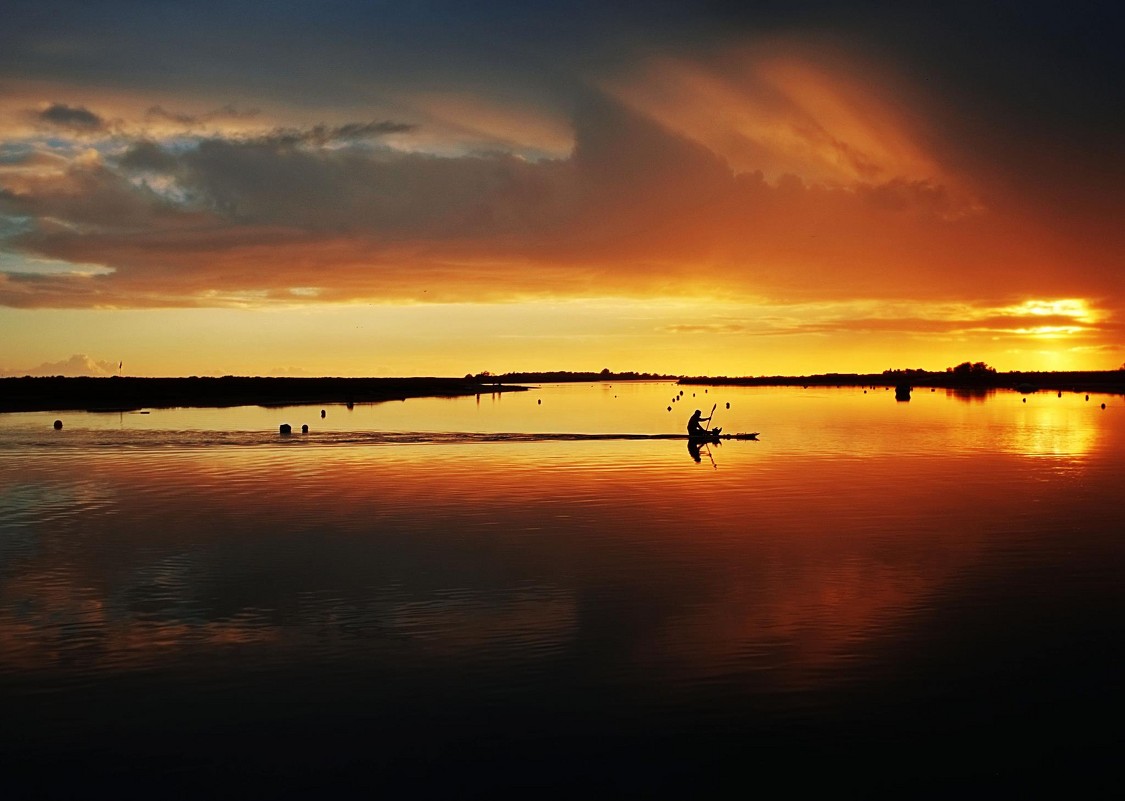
678	337
765	206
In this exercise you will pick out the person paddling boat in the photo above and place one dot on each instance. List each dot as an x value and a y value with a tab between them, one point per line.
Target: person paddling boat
695	425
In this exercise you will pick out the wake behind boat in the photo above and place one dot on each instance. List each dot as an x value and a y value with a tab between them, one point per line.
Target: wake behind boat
449	437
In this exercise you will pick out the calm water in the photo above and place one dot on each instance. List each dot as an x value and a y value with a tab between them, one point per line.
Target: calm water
419	599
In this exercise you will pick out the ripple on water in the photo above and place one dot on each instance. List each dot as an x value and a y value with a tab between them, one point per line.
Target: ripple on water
851	565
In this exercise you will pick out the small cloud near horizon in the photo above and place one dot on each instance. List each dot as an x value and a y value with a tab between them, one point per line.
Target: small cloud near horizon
77	365
288	372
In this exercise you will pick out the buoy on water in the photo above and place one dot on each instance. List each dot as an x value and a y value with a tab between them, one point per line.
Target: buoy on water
285	428
58	425
322	414
304	429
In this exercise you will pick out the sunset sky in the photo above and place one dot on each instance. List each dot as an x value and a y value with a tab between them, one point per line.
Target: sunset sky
437	188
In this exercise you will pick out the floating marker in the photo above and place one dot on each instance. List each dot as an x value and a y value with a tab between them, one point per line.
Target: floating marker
322	414
304	429
285	428
58	425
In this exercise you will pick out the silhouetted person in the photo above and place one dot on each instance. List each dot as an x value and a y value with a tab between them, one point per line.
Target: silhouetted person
694	425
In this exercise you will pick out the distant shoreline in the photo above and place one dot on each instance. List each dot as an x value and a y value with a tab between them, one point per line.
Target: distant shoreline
115	394
1106	381
58	393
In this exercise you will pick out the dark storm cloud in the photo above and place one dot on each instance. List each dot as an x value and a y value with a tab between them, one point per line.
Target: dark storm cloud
1025	100
321	135
989	45
76	118
148	156
1018	82
84	200
227	112
623	168
636	208
270	180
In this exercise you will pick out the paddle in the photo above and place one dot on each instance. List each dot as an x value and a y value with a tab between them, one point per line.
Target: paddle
707	443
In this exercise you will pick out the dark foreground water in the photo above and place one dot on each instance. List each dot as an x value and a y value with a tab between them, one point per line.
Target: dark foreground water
920	598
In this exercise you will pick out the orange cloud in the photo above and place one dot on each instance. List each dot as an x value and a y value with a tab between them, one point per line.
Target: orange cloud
785	107
778	174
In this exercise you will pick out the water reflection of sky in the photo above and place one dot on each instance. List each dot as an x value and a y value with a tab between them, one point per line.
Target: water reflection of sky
836	420
784	559
861	557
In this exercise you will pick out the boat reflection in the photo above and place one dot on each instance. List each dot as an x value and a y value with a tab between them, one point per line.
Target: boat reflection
698	446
